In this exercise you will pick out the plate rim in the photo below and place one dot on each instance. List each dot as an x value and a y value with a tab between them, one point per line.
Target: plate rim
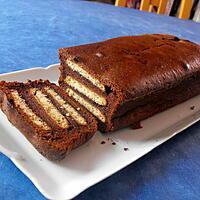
29	69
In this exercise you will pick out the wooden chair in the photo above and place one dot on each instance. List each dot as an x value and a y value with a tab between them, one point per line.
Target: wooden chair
120	3
186	6
149	5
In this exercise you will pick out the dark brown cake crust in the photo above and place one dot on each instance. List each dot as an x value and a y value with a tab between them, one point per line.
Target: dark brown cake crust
169	99
55	143
144	74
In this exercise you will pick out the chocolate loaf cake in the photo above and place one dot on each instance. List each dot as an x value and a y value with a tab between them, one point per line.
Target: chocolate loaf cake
124	80
47	116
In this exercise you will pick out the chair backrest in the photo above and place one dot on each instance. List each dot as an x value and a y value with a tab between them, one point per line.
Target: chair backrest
185	9
159	6
120	3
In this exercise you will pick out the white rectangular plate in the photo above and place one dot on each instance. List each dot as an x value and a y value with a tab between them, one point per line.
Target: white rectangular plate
93	161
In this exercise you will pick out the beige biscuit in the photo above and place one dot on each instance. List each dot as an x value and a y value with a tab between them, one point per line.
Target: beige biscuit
50	109
85	90
75	67
70	110
96	112
20	102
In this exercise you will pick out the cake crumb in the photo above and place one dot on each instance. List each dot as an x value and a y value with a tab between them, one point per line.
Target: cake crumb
137	126
99	54
126	149
113	143
187	66
103	142
76	59
192	107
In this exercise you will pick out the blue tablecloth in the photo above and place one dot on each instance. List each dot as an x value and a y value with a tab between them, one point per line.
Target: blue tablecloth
30	34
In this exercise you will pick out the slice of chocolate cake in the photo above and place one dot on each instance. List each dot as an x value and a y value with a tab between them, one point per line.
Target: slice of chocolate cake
51	120
124	80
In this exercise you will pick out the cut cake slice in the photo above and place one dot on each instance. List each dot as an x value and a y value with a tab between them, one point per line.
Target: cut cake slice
51	120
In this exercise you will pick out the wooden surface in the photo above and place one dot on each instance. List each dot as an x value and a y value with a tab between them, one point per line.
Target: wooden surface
120	3
185	9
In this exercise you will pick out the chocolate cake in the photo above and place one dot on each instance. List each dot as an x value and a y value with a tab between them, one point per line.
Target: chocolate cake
124	80
51	120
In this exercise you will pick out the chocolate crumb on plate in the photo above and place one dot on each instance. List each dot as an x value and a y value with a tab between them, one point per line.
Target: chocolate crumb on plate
192	107
126	149
113	143
103	142
137	126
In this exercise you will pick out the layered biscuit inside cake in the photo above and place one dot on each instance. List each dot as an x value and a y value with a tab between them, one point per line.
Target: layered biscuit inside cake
92	96
80	87
51	114
49	108
87	90
70	111
57	108
77	68
95	111
22	105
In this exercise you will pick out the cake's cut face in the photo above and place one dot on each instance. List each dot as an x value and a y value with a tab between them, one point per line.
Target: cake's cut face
27	111
49	107
100	100
114	78
77	68
95	111
70	111
50	119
